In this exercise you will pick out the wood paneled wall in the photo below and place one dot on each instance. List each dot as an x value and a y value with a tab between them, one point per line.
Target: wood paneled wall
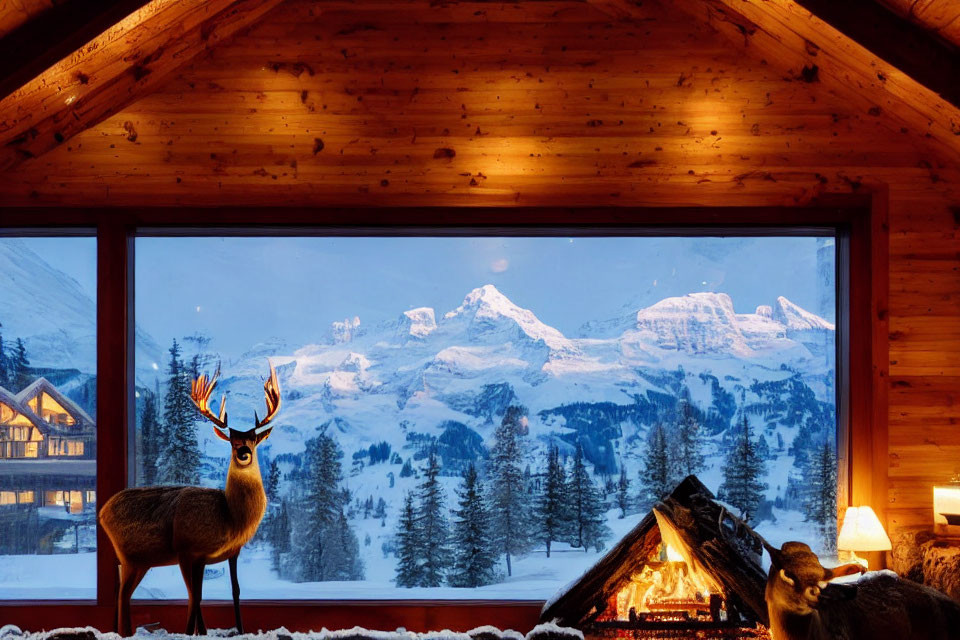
540	103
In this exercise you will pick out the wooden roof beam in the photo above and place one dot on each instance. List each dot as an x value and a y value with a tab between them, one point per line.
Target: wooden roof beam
907	45
787	34
119	66
36	34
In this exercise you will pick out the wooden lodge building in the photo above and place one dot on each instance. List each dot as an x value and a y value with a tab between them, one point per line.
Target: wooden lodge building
218	116
47	450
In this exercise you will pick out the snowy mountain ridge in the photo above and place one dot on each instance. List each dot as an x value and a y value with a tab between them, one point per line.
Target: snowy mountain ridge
52	314
422	372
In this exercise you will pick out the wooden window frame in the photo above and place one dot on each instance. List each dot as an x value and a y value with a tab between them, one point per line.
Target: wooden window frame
860	220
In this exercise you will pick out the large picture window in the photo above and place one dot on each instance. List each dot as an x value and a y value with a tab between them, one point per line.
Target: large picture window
480	417
48	381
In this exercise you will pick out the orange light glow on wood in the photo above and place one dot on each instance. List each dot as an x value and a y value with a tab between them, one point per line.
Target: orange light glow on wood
122	64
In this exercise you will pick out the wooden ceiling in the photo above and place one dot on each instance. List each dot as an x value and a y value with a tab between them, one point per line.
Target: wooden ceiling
15	13
941	17
49	101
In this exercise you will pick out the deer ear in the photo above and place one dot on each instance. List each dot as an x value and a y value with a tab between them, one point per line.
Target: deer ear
776	557
844	570
221	434
263	436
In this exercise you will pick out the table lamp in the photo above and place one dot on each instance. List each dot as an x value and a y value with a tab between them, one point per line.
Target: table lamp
862	531
946	507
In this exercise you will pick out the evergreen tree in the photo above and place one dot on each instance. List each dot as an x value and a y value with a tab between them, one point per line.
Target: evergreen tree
657	476
409	573
473	560
821	504
149	439
741	476
343	552
508	497
279	533
273	481
330	549
688	442
623	491
380	512
434	531
587	528
19	367
180	463
553	514
763	449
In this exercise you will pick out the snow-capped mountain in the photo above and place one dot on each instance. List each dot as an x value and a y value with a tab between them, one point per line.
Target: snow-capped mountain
51	313
488	351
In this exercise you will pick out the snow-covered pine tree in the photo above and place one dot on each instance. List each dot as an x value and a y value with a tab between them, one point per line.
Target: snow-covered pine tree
586	507
657	475
380	512
19	374
279	533
325	552
273	481
821	506
623	491
343	551
149	439
473	558
434	530
180	462
688	446
552	509
763	448
508	496
741	476
200	361
408	572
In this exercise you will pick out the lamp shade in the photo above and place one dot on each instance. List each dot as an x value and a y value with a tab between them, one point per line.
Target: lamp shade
862	531
946	505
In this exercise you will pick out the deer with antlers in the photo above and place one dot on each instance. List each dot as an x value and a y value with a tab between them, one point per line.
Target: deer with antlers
193	526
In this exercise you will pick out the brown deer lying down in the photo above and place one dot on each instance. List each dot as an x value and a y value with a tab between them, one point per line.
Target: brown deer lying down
192	526
802	606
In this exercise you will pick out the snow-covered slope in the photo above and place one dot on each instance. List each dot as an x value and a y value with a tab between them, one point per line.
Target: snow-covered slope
421	372
51	313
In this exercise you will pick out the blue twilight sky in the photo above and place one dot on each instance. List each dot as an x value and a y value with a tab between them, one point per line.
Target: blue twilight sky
241	291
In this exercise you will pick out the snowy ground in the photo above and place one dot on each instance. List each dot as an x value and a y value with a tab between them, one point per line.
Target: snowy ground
536	577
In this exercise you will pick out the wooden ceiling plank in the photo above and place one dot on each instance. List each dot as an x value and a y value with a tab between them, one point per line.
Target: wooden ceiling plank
14	13
939	16
109	73
784	33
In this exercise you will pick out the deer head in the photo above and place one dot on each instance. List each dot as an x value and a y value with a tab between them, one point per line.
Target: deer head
797	577
244	443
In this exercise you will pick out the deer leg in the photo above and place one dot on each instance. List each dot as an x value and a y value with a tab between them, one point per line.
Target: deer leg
198	568
186	570
235	583
130	577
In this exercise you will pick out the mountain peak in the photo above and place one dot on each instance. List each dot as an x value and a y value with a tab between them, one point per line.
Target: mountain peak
416	323
796	318
486	309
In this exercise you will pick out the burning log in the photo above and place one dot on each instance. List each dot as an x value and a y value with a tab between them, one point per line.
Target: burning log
689	568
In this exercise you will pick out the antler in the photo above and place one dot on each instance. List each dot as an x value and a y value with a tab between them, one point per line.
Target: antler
271	391
200	391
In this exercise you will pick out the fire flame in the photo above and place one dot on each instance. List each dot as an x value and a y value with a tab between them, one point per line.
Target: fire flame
670	581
